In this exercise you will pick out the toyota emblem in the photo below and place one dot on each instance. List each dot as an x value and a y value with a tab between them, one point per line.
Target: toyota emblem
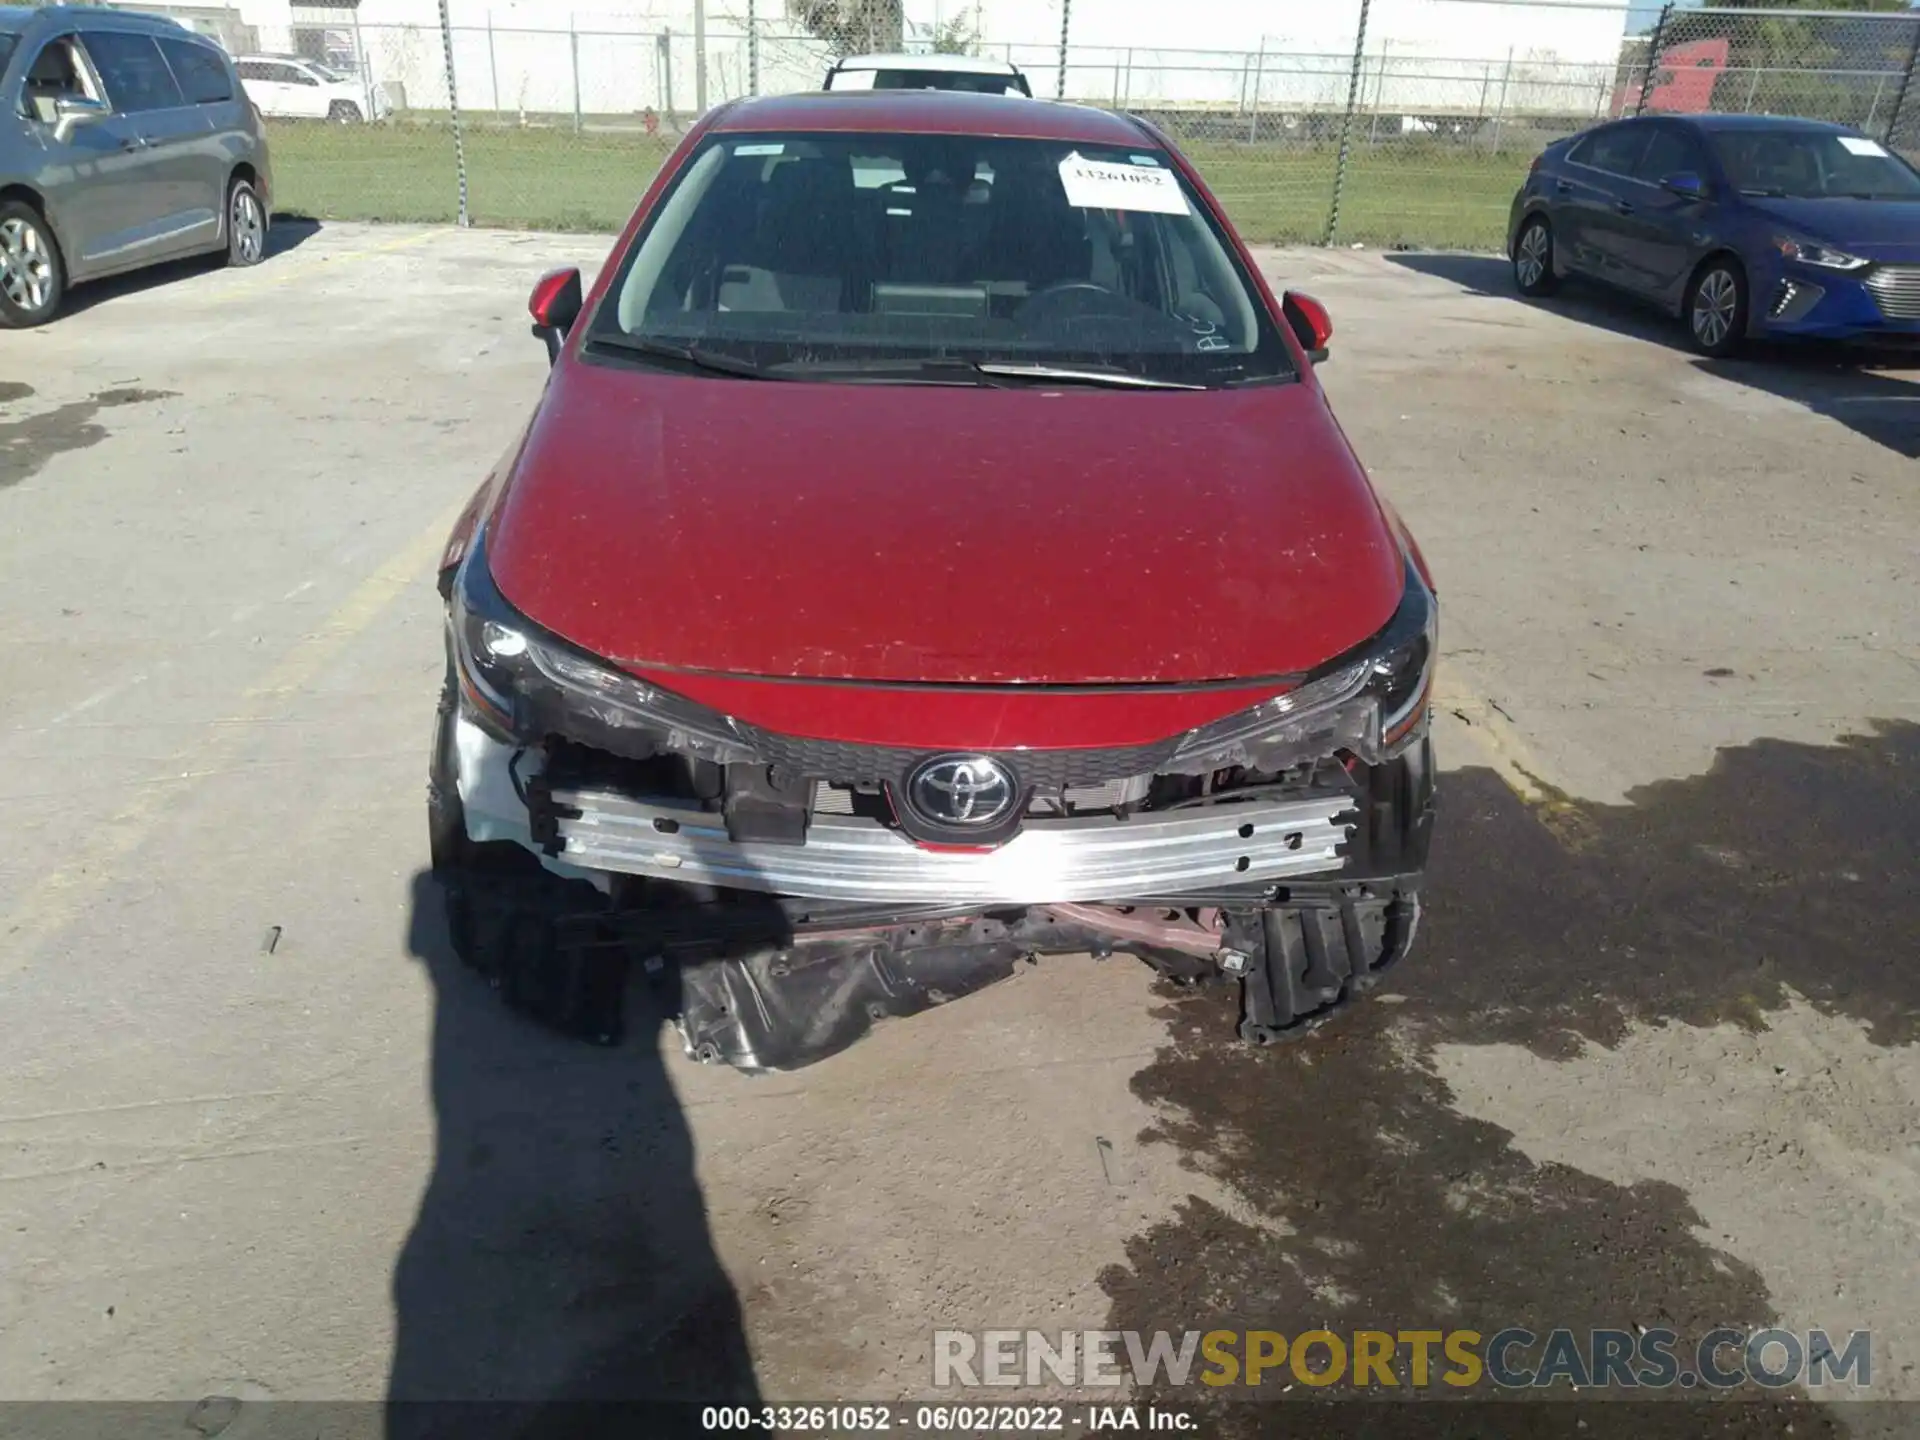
965	790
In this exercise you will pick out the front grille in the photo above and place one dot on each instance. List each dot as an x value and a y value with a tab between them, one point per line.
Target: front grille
1050	770
831	799
1896	290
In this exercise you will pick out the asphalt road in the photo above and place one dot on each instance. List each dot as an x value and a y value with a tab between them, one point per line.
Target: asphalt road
1652	1062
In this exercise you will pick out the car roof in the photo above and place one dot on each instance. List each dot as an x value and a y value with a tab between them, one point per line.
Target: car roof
952	64
19	19
1754	122
936	112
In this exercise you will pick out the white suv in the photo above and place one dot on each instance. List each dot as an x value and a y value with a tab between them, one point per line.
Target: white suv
292	87
927	72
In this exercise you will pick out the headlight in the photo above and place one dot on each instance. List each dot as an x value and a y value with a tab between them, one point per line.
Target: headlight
1812	252
523	683
1372	702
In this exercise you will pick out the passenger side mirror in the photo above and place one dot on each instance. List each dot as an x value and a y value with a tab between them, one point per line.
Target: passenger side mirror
1685	184
1311	324
70	112
555	305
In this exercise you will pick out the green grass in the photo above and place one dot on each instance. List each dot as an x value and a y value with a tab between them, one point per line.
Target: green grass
1417	193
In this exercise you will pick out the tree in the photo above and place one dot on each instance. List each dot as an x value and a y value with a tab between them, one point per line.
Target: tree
853	27
959	36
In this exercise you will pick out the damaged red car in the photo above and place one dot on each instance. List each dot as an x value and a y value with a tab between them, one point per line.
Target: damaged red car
932	550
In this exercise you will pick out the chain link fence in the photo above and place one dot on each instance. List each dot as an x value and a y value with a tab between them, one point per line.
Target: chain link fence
1853	67
1413	135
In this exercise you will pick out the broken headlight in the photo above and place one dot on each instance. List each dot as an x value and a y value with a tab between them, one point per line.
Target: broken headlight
1371	701
523	683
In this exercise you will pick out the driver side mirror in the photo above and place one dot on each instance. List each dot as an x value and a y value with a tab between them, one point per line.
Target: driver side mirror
555	305
1685	184
70	112
1310	323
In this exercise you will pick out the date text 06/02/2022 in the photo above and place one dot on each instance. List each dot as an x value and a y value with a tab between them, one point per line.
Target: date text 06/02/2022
945	1419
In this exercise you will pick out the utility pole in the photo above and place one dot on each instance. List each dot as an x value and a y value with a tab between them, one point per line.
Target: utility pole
700	56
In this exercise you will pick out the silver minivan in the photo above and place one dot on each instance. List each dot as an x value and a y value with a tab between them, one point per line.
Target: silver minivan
125	140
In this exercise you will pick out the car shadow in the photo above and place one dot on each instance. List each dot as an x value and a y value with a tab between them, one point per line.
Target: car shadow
1883	408
286	234
1355	1189
1841	384
560	1267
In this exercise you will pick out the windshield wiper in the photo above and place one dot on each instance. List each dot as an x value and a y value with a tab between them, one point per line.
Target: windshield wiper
1770	192
957	370
941	370
1083	375
685	354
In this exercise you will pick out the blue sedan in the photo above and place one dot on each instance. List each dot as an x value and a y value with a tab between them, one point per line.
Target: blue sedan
1743	225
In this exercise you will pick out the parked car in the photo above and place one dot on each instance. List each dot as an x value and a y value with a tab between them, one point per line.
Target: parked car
893	583
1745	225
292	87
125	140
927	72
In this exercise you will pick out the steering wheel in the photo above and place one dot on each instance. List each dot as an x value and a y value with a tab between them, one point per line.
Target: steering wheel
1075	299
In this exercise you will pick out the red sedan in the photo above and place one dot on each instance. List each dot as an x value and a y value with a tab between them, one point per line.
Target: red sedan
932	549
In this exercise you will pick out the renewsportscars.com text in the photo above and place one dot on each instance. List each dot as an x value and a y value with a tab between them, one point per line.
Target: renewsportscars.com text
1511	1358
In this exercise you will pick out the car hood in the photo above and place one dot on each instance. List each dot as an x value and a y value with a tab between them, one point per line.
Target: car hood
942	534
1871	229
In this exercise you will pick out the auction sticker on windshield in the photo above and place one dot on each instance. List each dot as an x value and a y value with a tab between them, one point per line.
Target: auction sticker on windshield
1856	145
1096	185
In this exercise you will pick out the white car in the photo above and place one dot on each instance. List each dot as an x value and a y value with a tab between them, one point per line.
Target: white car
292	87
927	72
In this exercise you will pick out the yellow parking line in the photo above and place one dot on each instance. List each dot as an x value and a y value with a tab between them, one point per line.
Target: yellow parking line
288	274
50	905
1511	758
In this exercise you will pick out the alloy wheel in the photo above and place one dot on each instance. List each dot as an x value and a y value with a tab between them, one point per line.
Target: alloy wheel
26	265
1714	304
1531	263
249	228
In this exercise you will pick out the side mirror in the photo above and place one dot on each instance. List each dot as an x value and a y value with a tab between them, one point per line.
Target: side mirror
70	112
1686	184
1311	324
555	305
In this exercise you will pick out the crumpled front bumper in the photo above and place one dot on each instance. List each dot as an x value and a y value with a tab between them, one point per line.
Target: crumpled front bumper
849	858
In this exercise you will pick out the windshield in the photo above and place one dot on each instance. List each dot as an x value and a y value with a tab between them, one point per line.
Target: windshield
1813	165
7	42
827	250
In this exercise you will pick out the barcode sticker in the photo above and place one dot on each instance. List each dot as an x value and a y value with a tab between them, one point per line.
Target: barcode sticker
1095	185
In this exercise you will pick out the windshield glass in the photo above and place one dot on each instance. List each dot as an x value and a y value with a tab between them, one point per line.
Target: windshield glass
818	250
7	42
1813	165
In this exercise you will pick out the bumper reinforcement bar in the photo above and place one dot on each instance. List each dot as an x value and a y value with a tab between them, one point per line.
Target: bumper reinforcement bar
850	858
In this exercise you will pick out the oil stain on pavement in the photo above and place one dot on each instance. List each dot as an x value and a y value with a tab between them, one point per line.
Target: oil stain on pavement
1364	1199
29	442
